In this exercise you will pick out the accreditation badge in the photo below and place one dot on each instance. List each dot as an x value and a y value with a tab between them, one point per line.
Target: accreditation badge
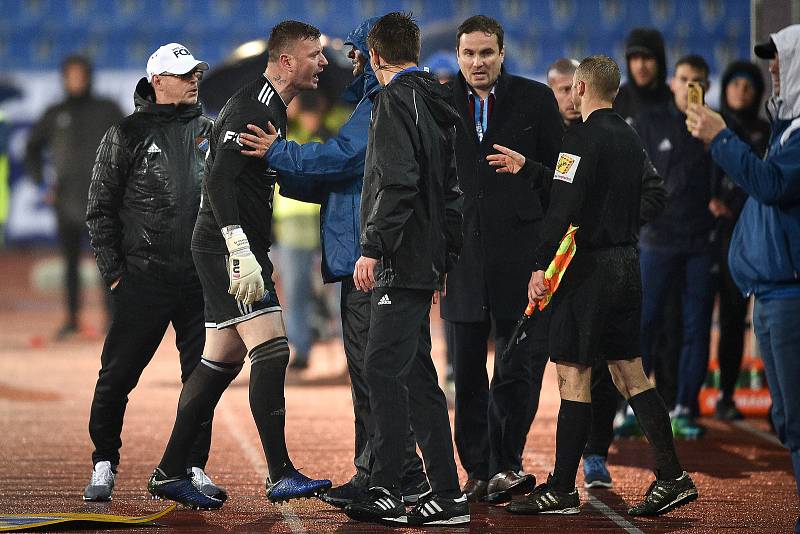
566	167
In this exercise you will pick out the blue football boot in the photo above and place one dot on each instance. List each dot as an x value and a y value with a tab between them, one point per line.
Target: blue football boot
295	485
181	490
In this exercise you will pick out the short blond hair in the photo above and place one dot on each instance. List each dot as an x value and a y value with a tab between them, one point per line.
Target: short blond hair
601	75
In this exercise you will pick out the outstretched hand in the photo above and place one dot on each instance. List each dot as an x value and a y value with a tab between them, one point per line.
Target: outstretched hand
507	161
260	142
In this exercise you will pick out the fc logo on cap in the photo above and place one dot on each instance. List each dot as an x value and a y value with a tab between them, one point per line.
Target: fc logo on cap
181	52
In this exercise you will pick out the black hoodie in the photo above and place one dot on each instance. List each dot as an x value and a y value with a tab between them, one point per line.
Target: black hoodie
751	128
632	99
145	190
411	203
755	129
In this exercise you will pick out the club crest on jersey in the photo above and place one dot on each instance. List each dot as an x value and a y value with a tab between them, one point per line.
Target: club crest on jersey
231	136
566	167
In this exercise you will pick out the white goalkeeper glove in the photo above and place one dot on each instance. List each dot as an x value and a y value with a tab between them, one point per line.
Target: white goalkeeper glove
244	272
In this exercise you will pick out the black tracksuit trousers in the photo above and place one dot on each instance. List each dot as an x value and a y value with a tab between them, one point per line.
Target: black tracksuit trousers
403	387
356	311
142	309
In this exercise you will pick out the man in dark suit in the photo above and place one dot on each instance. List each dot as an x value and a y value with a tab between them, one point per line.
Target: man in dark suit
487	289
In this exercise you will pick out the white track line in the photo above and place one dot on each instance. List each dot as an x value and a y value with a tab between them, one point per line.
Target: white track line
256	459
766	436
620	521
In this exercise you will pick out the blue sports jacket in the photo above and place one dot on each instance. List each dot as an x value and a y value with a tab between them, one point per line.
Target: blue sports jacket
331	173
764	255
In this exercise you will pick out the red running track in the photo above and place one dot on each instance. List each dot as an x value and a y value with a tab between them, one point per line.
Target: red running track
745	481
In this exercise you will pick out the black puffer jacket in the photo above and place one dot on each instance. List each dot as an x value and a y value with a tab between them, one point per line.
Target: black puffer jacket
145	190
411	205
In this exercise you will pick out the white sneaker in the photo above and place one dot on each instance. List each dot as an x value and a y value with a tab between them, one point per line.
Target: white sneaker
205	485
102	483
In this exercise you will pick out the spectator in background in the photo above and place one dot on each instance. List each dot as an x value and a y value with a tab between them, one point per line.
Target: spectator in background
559	79
647	74
443	65
646	89
4	192
676	245
740	95
297	237
71	130
765	248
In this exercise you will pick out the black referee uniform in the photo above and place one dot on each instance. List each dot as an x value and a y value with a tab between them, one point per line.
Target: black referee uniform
597	185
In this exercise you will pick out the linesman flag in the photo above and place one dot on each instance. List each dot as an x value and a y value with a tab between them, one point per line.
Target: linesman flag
552	276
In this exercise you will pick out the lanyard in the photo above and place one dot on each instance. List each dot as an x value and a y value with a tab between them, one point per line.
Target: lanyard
481	114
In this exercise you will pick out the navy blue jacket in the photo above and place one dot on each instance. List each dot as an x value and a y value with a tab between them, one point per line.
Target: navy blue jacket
764	256
687	168
331	173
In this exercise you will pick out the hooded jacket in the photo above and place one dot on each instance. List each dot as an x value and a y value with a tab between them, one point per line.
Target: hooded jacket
751	128
411	204
764	255
632	99
331	173
71	131
145	190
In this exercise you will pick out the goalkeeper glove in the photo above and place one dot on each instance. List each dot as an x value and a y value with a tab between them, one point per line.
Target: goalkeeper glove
244	272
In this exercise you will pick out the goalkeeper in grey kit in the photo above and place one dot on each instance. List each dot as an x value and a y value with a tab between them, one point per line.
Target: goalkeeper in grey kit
229	246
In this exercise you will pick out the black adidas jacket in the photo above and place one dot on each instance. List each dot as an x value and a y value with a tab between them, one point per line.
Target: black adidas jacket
145	190
411	202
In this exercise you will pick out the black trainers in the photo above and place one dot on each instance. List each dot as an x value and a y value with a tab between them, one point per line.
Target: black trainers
545	499
413	491
347	493
378	505
181	490
665	495
434	510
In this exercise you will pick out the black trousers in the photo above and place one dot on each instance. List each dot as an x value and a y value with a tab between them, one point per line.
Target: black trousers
667	346
142	308
71	234
605	401
732	317
492	421
356	312
403	387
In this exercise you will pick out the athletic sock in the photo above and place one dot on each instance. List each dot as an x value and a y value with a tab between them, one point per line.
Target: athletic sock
200	394
267	375
654	419
572	433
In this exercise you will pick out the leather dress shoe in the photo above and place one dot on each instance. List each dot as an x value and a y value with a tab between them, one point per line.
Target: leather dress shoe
475	489
507	483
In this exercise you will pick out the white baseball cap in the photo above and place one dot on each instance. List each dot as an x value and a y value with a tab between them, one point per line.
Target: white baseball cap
173	58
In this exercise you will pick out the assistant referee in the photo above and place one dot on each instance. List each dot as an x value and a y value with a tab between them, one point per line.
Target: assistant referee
597	185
